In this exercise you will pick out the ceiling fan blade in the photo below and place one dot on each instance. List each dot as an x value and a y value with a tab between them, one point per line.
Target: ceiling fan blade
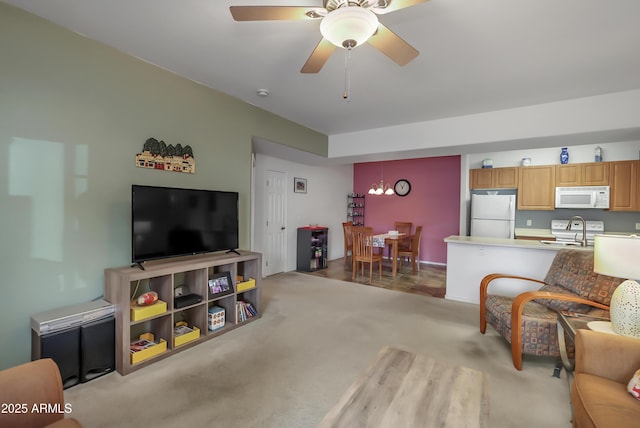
273	13
397	5
392	45
318	57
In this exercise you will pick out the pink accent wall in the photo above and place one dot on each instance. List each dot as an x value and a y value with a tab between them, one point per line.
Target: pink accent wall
434	200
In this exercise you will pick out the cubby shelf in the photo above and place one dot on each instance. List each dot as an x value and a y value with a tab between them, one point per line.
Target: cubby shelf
312	248
355	208
122	285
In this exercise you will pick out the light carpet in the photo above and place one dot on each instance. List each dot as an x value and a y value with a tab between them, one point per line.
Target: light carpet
289	368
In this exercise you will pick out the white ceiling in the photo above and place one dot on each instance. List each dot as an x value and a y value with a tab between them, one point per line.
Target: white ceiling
475	55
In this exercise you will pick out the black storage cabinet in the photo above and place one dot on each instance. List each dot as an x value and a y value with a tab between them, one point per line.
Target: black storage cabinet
312	248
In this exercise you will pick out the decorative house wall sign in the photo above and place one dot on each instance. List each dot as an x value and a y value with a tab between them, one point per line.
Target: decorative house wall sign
157	155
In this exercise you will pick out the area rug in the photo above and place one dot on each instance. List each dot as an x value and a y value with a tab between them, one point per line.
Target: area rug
404	389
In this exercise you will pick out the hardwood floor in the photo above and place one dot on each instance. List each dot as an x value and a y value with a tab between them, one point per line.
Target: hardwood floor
430	280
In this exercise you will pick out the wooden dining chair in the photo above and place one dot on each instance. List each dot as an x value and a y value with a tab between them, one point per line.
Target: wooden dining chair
363	252
413	251
402	227
348	239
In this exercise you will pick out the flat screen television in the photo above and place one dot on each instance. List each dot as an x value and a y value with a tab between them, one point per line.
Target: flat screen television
171	222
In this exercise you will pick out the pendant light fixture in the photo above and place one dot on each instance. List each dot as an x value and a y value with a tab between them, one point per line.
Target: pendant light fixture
382	188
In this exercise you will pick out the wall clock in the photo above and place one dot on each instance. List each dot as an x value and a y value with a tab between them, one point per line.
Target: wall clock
402	187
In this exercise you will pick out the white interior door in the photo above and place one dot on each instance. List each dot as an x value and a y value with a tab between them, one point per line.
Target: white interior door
274	239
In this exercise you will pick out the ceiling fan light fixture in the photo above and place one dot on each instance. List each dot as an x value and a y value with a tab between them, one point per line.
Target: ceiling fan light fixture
349	26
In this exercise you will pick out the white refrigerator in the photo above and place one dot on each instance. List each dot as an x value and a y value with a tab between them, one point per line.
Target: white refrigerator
493	216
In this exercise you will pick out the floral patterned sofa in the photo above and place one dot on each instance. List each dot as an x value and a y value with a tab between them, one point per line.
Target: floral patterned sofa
570	284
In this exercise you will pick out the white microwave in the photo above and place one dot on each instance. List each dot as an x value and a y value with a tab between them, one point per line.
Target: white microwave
582	197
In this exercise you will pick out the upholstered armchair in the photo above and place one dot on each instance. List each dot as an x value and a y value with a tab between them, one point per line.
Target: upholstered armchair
605	363
529	320
34	389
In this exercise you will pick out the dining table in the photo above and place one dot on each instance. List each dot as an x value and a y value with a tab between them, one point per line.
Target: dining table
380	240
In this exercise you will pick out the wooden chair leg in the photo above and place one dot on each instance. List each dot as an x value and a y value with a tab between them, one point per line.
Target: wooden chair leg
516	355
516	331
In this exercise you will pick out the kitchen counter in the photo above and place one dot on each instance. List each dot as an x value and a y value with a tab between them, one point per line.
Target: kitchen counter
529	233
470	258
513	243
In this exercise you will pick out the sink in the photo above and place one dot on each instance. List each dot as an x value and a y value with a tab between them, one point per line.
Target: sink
560	243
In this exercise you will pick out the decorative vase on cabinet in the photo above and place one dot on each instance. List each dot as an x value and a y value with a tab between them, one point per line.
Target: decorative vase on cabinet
564	156
598	154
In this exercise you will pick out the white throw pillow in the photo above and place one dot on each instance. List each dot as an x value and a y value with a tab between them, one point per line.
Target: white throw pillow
634	385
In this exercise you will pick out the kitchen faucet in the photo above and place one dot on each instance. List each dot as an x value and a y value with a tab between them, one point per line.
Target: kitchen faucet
583	242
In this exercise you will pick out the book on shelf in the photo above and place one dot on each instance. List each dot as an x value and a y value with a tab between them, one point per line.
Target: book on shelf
251	309
181	329
245	310
140	345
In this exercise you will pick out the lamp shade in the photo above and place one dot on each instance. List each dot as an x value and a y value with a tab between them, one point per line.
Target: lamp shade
618	256
349	23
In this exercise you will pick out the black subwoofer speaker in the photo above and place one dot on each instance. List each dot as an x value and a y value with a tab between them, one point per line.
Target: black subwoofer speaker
63	347
97	349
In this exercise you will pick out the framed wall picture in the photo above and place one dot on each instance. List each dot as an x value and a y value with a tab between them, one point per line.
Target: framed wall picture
300	185
220	284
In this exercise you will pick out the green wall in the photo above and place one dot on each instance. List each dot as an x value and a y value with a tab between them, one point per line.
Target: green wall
73	114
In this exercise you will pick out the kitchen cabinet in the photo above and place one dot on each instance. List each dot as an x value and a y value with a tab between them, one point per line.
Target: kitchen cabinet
481	178
582	174
595	174
624	180
493	178
536	187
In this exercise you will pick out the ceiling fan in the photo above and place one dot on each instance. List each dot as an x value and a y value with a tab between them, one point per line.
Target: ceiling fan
344	23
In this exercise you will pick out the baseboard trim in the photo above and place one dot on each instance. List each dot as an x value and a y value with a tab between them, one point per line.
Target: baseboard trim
425	262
